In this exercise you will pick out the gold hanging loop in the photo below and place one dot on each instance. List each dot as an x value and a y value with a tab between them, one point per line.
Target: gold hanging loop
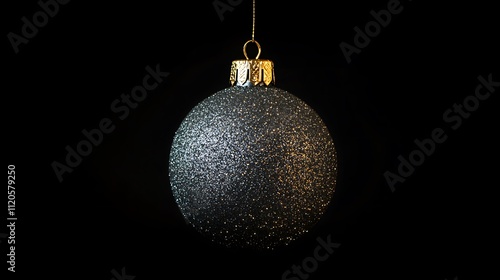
252	72
245	48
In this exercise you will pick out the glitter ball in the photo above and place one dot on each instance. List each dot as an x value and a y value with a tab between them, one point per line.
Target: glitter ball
252	167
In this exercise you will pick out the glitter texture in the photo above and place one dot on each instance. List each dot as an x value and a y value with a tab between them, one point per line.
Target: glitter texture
252	167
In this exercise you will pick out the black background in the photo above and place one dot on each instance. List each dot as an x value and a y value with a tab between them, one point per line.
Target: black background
116	209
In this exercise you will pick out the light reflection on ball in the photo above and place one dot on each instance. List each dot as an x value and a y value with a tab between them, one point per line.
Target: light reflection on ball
252	167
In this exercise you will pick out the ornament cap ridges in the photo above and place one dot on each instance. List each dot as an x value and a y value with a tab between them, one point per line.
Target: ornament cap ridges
255	72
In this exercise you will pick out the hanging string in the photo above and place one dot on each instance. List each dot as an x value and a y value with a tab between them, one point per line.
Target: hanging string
253	35
253	20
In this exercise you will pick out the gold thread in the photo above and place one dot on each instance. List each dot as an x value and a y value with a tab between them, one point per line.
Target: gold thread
257	72
253	20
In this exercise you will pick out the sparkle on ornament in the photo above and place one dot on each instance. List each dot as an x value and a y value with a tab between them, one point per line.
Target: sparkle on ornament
252	167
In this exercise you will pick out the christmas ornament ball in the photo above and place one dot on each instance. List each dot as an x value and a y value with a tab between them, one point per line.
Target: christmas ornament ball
252	166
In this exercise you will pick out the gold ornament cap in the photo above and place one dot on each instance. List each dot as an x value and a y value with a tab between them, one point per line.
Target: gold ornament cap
255	72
